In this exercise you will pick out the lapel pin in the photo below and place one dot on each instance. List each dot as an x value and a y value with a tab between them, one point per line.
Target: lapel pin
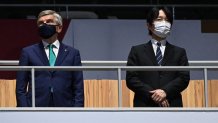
65	50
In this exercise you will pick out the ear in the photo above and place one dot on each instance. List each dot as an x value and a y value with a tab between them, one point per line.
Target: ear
150	27
59	28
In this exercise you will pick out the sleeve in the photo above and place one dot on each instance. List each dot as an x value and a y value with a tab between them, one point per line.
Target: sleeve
78	86
181	82
132	79
22	81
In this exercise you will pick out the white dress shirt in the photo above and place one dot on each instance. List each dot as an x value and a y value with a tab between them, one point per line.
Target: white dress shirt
162	47
55	49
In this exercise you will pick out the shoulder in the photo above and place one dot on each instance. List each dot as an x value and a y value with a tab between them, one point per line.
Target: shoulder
31	47
70	48
176	48
140	47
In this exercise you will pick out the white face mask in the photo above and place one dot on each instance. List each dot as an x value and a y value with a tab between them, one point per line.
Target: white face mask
162	28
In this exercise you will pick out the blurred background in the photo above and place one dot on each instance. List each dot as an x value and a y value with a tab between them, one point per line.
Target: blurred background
105	30
107	9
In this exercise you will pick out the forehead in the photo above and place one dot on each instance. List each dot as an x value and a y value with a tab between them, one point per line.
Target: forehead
46	17
162	14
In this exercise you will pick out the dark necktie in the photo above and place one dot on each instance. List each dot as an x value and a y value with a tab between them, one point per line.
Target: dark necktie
159	54
52	57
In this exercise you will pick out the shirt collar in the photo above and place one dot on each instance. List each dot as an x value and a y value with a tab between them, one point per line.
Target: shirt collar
56	44
154	42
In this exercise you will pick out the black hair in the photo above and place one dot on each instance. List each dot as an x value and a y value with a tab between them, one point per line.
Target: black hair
154	12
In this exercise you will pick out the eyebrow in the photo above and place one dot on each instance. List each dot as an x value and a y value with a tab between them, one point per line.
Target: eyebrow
47	20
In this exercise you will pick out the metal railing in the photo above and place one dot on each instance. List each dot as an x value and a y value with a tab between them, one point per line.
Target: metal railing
115	63
119	70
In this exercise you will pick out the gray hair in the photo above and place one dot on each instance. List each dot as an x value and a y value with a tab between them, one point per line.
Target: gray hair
58	18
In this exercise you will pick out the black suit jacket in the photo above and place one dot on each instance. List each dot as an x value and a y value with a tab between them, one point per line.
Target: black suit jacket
172	82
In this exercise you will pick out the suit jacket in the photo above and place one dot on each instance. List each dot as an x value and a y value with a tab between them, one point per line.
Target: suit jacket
172	82
67	85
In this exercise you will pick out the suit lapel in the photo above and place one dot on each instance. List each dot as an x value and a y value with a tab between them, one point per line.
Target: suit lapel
62	53
40	51
150	52
167	53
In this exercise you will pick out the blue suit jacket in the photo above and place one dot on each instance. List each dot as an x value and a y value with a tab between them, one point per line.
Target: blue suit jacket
68	89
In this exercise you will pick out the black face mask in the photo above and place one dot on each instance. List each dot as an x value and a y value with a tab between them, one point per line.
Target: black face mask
46	31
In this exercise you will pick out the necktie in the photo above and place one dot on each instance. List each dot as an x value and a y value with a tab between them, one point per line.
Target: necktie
159	54
52	57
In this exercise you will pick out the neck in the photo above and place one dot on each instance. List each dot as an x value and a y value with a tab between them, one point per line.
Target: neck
157	38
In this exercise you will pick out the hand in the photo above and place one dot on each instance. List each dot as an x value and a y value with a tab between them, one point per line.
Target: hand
164	103
158	95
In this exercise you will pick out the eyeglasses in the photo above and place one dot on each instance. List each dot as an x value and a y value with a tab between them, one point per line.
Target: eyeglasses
49	24
48	21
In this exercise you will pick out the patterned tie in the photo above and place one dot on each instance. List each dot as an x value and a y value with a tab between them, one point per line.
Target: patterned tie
52	57
159	54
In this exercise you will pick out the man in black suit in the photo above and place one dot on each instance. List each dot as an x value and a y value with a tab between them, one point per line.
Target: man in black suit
157	88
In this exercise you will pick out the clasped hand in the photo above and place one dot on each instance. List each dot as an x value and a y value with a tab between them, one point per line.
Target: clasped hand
159	97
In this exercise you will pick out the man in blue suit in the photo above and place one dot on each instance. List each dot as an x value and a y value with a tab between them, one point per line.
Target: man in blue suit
52	88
